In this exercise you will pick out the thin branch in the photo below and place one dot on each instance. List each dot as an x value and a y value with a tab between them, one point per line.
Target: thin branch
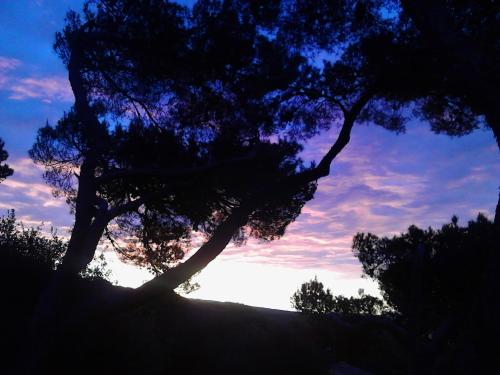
127	207
312	94
109	236
131	98
323	168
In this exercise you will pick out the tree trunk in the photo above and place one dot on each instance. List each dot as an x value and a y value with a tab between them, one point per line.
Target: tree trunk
53	303
83	244
205	254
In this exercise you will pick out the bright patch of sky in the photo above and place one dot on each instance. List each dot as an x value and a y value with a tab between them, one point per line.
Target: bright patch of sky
382	182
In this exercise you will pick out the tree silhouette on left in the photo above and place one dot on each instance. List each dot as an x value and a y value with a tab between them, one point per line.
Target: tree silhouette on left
186	120
164	138
5	170
189	119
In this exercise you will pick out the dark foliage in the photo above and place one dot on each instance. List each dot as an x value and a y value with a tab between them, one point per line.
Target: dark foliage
364	304
448	255
44	251
458	42
437	58
312	298
5	170
30	243
434	279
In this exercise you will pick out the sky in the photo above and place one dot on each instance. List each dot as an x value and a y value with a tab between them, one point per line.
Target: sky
381	183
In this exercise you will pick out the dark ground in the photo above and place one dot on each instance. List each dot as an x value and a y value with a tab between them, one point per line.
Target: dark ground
174	335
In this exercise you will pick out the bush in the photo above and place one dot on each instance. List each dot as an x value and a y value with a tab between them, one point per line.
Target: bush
312	298
17	241
435	273
20	245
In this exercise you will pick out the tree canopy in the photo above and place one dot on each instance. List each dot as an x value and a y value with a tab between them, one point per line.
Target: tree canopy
434	59
175	146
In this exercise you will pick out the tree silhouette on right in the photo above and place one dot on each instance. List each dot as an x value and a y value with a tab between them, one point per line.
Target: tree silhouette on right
431	60
434	279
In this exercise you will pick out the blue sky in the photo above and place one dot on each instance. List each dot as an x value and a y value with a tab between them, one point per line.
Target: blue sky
381	183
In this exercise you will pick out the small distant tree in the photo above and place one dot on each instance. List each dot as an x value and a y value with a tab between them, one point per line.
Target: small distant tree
313	298
5	170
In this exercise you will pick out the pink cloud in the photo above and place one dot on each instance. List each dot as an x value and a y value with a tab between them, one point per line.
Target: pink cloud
8	63
378	186
31	197
47	89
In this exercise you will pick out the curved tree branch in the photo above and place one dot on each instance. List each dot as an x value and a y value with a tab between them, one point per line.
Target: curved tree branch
323	168
205	254
240	215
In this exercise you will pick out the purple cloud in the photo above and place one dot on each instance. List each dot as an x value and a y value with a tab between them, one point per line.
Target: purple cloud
46	89
382	183
8	63
32	198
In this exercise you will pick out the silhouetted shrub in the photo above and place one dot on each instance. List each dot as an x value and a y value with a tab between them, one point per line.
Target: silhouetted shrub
20	245
441	279
30	243
364	304
312	298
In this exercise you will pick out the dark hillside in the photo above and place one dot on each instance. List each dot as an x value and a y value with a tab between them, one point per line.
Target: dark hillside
177	335
173	335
